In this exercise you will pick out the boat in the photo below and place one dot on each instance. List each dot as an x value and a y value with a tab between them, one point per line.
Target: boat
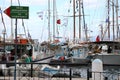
61	54
45	52
107	45
79	53
74	54
22	48
47	70
107	51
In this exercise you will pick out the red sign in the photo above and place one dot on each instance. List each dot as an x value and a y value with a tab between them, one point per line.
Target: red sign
7	11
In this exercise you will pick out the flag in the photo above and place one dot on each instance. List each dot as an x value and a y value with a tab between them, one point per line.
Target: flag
98	39
40	14
65	22
107	20
58	21
29	36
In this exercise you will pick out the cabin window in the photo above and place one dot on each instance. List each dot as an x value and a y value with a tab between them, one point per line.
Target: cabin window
117	47
109	49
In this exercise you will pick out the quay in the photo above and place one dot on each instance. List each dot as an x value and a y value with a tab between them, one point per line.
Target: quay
34	71
36	78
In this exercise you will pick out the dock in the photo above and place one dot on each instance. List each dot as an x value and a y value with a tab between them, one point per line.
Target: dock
36	78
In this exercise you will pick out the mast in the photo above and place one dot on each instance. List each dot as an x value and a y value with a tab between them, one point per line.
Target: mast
108	13
53	20
113	20
80	19
101	32
12	34
56	17
84	25
4	30
118	36
49	38
74	20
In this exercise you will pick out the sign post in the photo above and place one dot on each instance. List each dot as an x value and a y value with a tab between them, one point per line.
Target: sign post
17	12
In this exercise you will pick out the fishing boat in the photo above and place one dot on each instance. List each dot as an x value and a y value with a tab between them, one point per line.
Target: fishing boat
107	51
79	53
61	54
16	51
107	45
74	54
22	47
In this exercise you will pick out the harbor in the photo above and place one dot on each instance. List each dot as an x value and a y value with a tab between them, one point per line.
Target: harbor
59	40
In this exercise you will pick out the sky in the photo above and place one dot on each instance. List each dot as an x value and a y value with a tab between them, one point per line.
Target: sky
95	14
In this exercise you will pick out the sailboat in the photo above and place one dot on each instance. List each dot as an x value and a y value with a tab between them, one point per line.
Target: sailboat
108	51
75	52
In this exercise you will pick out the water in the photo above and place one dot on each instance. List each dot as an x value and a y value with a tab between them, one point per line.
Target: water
109	72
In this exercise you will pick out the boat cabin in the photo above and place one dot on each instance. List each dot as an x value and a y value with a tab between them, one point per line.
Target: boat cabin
110	47
18	49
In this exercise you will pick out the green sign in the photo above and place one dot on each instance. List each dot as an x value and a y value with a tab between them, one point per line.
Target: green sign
21	12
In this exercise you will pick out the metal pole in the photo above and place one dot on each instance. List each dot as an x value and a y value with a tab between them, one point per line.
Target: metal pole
88	74
70	74
31	69
15	49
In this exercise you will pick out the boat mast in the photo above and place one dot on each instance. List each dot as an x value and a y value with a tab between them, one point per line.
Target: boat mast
74	20
4	30
108	15
49	37
12	34
101	32
80	19
113	19
84	25
54	19
118	33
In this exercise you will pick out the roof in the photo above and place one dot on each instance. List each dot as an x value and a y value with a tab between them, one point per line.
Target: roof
105	42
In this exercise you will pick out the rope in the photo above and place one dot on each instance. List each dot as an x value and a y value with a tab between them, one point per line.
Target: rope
3	22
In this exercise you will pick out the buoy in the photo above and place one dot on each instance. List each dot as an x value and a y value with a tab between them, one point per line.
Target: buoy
62	58
97	69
